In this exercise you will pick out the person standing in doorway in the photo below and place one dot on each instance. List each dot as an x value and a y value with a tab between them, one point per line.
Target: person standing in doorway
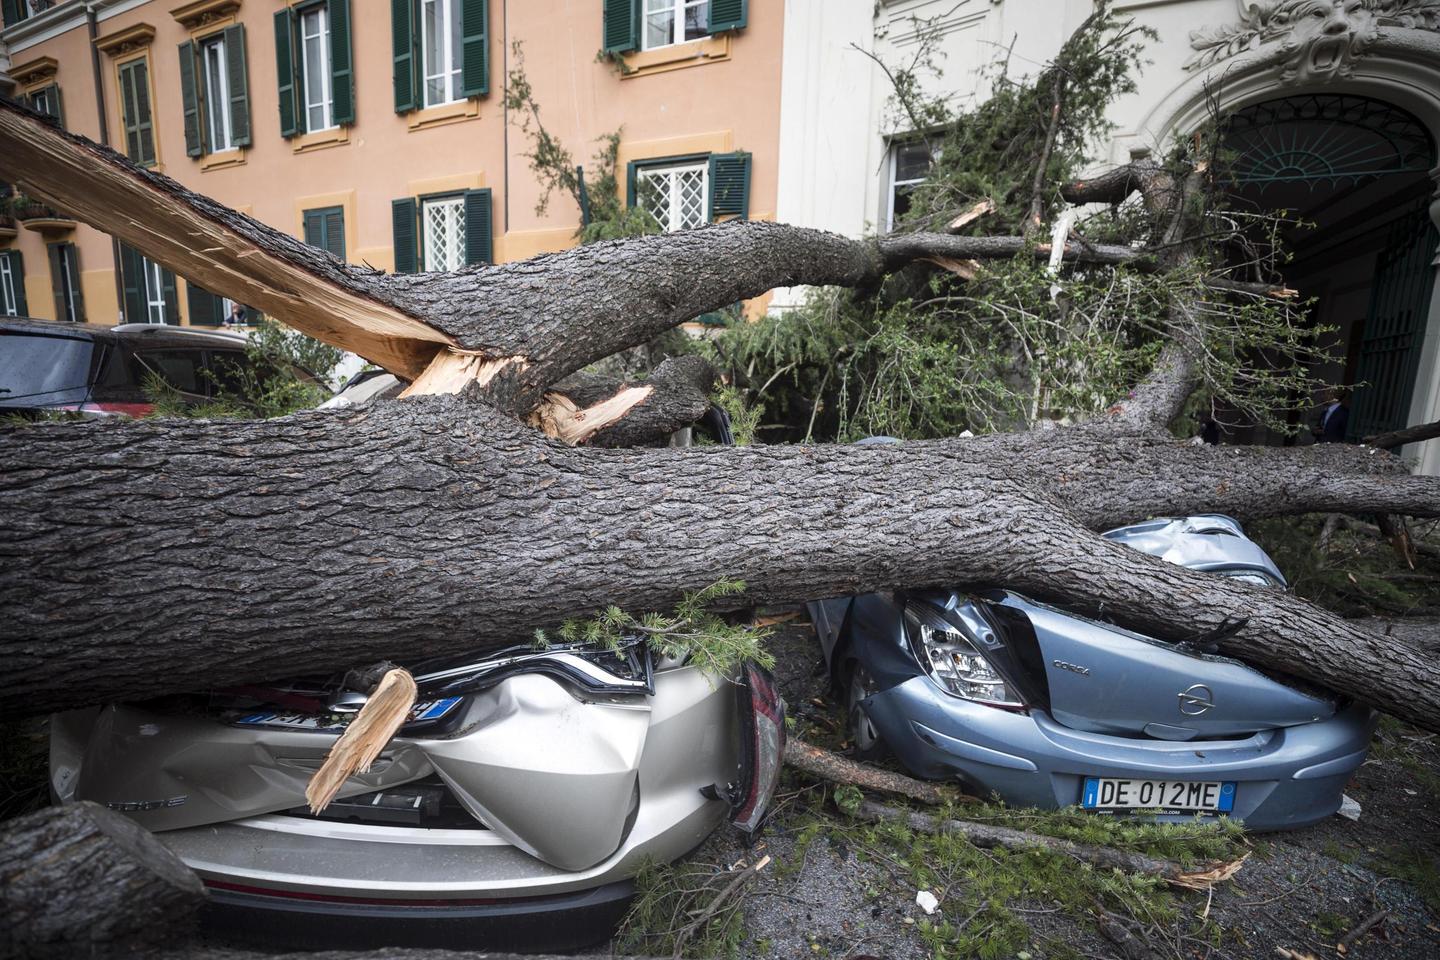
1335	418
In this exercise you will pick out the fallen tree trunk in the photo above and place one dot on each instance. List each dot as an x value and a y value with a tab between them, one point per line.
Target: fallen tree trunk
82	881
990	836
160	557
152	557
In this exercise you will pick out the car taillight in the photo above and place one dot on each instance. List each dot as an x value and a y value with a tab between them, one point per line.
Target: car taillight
954	658
762	749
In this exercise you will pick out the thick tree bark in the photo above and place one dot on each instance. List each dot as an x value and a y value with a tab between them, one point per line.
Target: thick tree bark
148	557
83	881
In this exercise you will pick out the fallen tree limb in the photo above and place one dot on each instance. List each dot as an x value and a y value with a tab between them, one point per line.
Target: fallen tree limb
1107	858
1398	438
835	768
82	881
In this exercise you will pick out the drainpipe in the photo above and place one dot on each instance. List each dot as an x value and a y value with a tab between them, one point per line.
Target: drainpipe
93	26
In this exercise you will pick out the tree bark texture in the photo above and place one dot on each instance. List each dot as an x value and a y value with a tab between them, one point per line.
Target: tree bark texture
82	881
837	769
148	557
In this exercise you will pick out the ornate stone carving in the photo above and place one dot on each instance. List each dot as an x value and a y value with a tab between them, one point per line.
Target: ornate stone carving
1320	39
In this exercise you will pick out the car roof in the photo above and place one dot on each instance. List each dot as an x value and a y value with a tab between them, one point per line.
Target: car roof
130	333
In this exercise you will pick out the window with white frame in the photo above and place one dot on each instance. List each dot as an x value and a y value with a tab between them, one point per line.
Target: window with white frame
441	36
219	136
677	196
9	300
909	166
674	21
154	291
443	223
315	67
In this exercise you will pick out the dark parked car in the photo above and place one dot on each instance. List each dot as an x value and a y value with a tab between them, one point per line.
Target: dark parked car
100	371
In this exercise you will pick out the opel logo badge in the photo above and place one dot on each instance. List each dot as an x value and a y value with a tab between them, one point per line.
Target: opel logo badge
1196	700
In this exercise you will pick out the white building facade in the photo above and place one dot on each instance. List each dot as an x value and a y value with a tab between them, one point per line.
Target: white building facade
1337	111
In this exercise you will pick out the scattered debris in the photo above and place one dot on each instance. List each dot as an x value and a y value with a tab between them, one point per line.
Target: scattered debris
1349	808
926	901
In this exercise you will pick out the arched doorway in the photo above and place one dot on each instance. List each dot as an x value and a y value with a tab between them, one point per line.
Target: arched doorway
1355	171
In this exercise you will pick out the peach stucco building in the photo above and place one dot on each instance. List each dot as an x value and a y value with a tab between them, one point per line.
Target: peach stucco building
378	128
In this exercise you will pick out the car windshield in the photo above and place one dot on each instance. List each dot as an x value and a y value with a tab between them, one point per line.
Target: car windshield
38	369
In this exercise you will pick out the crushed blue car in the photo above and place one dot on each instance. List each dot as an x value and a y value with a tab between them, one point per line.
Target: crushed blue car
1047	708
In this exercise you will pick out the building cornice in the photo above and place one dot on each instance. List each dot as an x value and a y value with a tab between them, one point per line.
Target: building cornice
124	41
34	71
61	18
201	13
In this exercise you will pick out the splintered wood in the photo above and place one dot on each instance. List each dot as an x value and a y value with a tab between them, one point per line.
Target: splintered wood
386	709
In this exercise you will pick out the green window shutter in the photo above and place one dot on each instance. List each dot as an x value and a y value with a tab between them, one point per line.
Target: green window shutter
72	258
65	264
190	98
325	228
206	309
342	73
404	225
474	47
335	231
127	113
14	11
172	300
292	122
404	43
17	280
140	72
729	185
479	227
315	228
50	96
132	282
135	104
238	79
622	25
728	15
630	170
56	254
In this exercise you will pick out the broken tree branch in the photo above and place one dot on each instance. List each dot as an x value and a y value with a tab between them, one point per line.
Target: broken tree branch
989	836
835	768
1398	438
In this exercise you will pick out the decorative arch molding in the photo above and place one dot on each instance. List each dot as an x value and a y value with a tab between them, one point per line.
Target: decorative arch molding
1401	67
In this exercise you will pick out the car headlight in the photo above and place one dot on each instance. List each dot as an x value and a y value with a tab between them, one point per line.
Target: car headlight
1252	576
954	659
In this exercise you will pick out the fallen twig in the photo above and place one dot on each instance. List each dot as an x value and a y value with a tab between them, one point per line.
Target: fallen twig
1362	928
702	917
986	835
835	768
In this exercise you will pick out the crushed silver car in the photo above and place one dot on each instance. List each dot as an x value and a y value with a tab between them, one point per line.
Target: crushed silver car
512	809
1048	708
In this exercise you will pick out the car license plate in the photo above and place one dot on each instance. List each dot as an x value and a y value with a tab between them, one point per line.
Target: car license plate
424	710
1106	793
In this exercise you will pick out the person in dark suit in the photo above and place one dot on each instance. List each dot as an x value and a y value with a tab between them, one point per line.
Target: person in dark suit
1334	418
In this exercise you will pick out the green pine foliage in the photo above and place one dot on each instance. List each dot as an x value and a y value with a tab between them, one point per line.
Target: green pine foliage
931	354
692	632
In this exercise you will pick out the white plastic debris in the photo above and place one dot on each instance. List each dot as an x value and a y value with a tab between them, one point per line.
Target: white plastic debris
926	901
1349	808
